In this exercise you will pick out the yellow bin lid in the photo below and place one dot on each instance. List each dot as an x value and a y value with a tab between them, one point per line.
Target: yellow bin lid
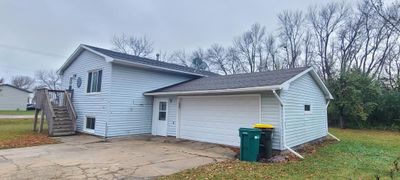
264	126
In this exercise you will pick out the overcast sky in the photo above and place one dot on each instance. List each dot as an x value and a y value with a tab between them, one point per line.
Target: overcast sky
41	34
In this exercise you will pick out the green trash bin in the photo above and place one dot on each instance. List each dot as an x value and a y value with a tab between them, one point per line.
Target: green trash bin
249	144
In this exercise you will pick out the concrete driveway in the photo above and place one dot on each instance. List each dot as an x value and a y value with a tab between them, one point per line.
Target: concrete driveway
85	157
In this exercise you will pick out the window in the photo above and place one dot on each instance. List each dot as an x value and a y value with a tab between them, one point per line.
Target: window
94	81
162	112
90	123
307	108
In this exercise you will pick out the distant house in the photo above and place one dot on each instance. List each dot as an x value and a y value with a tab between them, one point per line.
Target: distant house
116	94
13	98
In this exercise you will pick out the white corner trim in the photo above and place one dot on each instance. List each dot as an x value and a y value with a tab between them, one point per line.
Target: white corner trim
284	127
249	89
327	104
334	137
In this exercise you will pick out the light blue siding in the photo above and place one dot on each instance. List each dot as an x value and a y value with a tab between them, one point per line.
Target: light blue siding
131	111
172	115
95	105
300	127
271	114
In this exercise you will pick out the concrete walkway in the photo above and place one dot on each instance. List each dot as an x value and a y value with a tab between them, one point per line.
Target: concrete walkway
85	157
16	116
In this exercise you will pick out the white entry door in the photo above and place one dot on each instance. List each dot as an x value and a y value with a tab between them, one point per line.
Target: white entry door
160	114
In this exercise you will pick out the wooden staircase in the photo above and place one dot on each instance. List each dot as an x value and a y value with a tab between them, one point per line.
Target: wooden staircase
62	125
60	114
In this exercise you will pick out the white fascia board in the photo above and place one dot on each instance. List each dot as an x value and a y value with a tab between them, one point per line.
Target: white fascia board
316	78
237	90
75	54
322	84
130	63
287	83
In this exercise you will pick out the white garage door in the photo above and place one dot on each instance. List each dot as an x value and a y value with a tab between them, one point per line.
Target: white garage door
217	119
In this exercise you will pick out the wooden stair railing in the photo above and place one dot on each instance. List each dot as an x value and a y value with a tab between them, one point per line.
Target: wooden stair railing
70	108
59	110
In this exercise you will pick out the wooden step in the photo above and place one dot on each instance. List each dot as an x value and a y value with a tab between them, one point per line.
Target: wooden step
61	118
63	129
62	126
63	133
55	123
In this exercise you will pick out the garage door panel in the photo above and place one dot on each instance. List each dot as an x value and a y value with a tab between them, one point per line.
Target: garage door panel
217	119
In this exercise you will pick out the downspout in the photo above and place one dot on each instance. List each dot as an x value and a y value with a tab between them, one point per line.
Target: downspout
334	137
283	128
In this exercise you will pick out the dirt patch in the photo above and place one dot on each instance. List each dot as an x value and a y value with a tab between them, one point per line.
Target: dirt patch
27	140
305	150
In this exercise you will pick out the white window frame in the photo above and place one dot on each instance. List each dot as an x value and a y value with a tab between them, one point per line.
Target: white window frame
87	129
91	92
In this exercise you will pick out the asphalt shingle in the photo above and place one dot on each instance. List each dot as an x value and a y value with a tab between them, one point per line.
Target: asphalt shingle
268	78
147	61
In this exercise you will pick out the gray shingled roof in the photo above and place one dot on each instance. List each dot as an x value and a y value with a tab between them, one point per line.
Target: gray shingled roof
268	78
147	61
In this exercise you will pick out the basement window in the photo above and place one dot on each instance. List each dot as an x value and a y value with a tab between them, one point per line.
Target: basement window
90	123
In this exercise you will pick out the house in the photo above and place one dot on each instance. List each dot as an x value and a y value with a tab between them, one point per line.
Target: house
116	94
13	98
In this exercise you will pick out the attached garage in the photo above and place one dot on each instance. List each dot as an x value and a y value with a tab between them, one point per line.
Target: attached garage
216	119
212	109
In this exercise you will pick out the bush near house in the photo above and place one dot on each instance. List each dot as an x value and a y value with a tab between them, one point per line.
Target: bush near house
363	102
361	154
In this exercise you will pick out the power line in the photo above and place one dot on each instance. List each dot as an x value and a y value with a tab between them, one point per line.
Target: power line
30	51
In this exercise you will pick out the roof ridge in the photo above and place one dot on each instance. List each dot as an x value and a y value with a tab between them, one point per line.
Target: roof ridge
145	58
268	71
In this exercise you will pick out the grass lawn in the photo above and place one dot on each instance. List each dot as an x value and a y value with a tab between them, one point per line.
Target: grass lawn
18	133
362	154
7	112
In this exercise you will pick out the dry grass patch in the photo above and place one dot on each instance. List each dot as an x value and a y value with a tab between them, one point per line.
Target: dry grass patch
18	133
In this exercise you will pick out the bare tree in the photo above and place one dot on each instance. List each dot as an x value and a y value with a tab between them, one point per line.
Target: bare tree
389	14
309	49
234	62
216	58
249	46
138	46
324	22
179	57
23	82
291	33
48	79
271	57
